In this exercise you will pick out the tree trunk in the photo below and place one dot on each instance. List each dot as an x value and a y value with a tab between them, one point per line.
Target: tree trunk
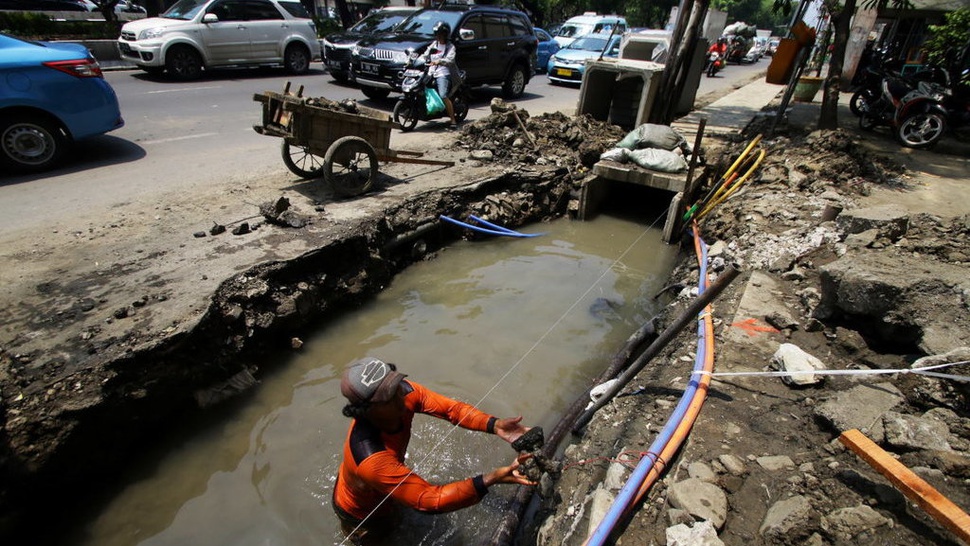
674	75
828	117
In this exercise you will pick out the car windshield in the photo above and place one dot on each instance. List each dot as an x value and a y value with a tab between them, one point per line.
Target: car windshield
184	9
295	9
571	30
422	22
589	43
381	21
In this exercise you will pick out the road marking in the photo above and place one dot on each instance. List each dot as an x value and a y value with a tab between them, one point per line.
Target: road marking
175	139
183	89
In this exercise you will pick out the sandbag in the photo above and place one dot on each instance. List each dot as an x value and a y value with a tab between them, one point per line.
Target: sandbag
650	135
658	160
616	154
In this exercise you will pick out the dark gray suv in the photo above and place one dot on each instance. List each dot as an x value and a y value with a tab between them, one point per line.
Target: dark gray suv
494	46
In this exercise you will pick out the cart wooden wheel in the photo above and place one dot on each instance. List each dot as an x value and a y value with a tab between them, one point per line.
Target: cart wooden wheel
301	161
350	166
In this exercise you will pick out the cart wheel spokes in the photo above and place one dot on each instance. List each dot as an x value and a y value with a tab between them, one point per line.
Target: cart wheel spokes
350	166
301	161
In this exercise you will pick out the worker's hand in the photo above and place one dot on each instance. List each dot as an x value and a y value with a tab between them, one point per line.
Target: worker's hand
510	428
509	474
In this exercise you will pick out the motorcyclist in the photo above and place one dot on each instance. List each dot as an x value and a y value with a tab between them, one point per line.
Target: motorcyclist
441	58
720	47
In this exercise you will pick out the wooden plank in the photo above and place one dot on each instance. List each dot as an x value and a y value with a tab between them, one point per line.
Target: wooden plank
914	487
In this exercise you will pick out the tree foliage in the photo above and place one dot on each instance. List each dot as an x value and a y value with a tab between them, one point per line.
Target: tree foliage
760	13
954	33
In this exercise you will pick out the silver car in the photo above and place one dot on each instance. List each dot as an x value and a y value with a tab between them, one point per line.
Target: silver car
197	34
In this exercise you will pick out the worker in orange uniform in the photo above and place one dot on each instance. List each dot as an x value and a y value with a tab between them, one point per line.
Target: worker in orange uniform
382	405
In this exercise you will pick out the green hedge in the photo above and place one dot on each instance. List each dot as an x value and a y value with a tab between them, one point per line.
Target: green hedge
37	26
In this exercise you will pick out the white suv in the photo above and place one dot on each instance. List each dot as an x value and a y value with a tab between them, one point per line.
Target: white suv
197	34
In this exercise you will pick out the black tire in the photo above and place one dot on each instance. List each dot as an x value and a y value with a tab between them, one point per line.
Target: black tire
405	115
31	144
867	122
711	70
859	103
375	93
301	161
183	63
921	130
296	59
514	85
461	109
350	166
340	77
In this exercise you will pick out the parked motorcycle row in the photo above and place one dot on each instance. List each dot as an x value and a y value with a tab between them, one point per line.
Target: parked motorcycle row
919	108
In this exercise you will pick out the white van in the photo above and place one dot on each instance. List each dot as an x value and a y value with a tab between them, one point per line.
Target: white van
588	23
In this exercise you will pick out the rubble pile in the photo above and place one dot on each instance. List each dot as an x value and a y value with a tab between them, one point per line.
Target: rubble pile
511	135
840	284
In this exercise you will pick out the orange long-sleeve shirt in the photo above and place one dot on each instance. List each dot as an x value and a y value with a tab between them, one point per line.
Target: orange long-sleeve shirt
373	464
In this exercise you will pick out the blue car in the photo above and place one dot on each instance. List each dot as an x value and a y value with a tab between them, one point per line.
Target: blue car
51	94
547	48
569	63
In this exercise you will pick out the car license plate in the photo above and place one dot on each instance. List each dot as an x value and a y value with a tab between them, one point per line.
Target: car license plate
370	68
334	64
564	72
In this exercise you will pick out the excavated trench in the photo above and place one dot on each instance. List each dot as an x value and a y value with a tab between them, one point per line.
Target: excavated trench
144	395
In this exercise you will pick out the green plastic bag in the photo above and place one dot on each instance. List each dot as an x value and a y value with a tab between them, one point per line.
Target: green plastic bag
433	102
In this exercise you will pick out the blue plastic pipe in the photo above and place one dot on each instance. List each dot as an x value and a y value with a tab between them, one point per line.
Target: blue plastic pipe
629	491
502	231
488	224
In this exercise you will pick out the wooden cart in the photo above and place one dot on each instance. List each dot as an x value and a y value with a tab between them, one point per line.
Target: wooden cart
342	146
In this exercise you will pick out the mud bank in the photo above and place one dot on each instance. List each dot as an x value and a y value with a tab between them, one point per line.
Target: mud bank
863	288
96	416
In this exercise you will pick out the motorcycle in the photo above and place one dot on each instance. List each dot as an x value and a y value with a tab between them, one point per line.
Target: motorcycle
867	84
714	64
894	93
923	120
411	107
919	115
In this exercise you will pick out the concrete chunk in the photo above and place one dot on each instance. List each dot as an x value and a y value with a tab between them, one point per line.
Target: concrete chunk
703	500
791	358
891	221
860	407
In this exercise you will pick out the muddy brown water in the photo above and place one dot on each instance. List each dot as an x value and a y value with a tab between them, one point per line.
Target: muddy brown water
515	326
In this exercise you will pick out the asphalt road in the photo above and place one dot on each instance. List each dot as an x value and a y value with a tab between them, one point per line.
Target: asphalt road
181	136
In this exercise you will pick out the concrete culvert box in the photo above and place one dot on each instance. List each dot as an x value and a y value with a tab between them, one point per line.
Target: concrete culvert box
619	91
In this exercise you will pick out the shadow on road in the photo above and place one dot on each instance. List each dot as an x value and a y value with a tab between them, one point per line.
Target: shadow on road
89	153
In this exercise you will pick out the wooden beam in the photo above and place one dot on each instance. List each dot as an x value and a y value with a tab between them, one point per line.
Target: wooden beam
914	487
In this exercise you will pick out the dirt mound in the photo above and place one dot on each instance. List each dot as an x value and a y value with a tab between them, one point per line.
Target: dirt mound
513	136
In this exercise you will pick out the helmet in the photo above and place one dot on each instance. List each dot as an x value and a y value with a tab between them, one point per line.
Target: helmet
442	27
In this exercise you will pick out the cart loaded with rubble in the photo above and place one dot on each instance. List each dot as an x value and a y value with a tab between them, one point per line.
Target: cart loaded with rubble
340	141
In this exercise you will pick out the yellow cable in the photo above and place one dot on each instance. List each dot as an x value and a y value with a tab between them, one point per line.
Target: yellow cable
710	206
723	181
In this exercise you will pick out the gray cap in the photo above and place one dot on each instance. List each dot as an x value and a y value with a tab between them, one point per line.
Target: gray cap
370	380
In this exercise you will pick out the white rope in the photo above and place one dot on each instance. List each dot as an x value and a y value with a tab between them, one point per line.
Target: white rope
517	363
920	371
